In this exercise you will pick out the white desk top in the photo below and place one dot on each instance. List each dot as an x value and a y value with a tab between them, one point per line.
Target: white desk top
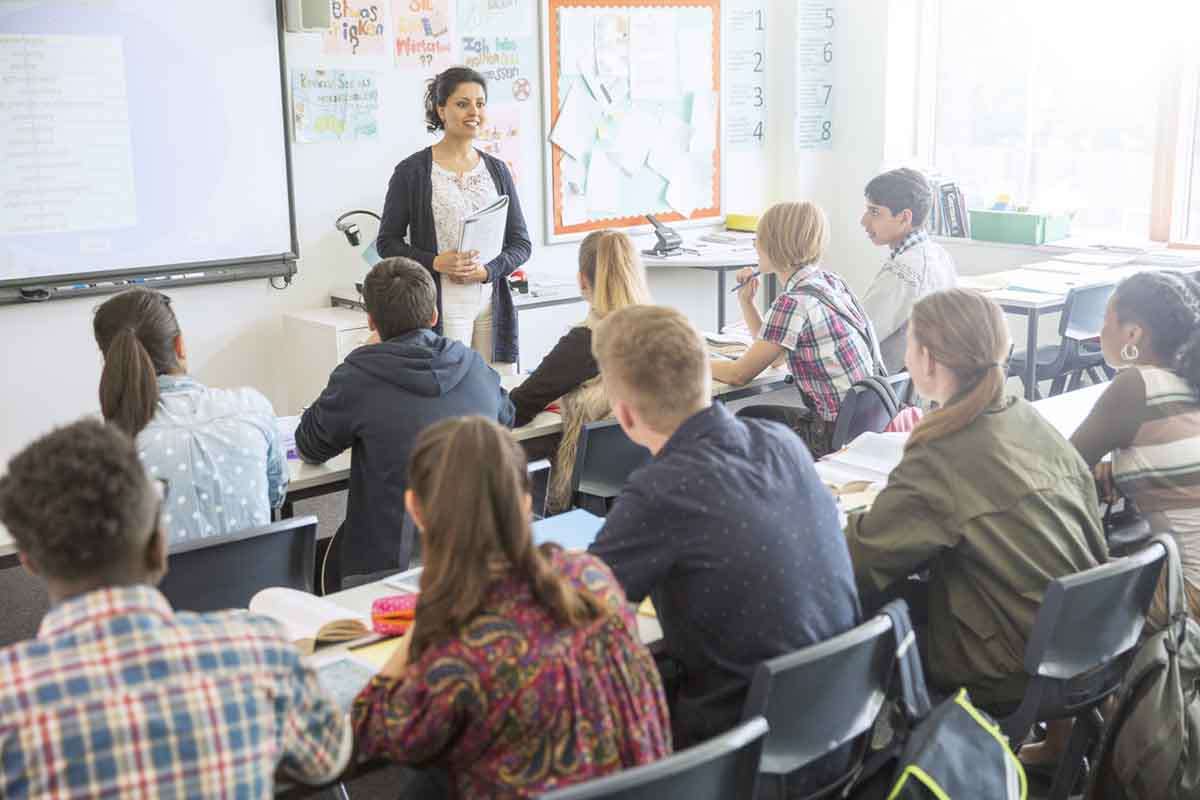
1067	411
993	285
707	255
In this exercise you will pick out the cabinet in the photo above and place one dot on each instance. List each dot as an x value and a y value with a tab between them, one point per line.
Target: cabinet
317	341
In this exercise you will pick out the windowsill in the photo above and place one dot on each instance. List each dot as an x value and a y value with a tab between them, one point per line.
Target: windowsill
1050	249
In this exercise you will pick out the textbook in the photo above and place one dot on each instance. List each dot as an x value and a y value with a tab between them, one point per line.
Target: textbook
309	620
484	230
574	530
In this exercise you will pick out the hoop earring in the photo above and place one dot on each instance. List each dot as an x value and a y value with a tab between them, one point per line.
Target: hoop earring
1129	352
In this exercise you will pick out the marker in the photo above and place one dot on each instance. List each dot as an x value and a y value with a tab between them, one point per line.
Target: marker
754	275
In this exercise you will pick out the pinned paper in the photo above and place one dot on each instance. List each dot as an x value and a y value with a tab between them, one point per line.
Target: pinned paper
634	135
612	47
356	28
575	129
653	68
672	138
334	105
692	41
704	122
501	136
424	34
603	184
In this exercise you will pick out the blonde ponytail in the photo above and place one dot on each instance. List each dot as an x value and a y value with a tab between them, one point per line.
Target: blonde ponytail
966	333
611	264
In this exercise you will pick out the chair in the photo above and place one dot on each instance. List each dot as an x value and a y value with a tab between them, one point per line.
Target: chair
603	461
819	699
724	767
226	571
1082	318
1077	652
869	405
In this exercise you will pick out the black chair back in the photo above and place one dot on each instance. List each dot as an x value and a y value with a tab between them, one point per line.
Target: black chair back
604	459
818	699
721	768
869	405
226	571
1083	311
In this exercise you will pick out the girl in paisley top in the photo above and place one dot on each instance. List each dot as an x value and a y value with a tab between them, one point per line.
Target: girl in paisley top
523	671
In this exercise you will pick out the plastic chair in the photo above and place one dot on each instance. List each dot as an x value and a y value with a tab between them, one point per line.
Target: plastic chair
869	405
1076	654
724	767
1080	324
821	698
603	461
226	571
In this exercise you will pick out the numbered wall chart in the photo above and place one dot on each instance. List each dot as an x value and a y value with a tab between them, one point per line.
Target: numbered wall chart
746	74
817	67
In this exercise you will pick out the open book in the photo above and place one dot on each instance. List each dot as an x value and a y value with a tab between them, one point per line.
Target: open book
869	459
484	230
309	620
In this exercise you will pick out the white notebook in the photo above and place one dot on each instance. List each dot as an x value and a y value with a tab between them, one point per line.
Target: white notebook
484	230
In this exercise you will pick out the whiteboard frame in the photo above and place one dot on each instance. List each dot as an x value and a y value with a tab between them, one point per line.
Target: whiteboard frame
548	146
100	282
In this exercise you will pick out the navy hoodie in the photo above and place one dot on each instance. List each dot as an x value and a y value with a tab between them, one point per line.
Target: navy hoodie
377	401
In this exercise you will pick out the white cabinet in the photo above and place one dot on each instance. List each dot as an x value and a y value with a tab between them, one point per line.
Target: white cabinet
317	341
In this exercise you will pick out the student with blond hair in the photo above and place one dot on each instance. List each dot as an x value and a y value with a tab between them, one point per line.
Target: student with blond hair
523	671
816	322
728	528
989	497
611	276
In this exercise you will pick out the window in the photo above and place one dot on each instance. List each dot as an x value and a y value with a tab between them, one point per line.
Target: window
1059	105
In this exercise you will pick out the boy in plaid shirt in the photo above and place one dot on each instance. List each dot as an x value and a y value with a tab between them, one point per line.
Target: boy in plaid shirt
118	695
816	323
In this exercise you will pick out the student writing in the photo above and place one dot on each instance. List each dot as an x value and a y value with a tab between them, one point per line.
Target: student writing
522	671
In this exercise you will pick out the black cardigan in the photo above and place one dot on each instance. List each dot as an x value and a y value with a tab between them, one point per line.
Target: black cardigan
407	230
569	364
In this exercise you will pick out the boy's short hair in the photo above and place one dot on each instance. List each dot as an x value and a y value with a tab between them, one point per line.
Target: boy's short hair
400	296
902	188
653	358
793	235
77	501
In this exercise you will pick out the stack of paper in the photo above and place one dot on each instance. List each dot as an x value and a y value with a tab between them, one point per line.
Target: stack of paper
483	231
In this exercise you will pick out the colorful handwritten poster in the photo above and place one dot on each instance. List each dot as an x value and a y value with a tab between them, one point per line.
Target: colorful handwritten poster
509	63
330	105
357	29
424	34
496	17
501	136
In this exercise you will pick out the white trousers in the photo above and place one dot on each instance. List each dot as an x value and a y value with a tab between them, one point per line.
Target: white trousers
467	317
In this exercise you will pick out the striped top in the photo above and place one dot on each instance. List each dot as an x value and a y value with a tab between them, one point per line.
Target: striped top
1149	419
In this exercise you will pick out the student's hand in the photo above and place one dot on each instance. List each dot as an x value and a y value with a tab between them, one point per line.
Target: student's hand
398	661
1104	482
452	262
748	292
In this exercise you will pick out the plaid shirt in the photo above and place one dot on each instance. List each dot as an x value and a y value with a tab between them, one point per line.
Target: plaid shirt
913	239
120	697
824	352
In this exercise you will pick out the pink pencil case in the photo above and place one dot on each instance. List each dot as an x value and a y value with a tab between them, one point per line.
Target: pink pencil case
392	615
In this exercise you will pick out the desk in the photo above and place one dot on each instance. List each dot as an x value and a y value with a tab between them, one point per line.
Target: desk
1032	305
713	258
313	480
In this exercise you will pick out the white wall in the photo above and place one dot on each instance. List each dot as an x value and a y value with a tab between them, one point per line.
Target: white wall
234	331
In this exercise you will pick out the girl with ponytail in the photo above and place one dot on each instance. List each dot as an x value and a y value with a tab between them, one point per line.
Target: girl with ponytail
509	636
1149	416
988	496
219	449
611	277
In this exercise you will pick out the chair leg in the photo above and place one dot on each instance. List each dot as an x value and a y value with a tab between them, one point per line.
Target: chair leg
1083	736
340	792
1076	381
1056	385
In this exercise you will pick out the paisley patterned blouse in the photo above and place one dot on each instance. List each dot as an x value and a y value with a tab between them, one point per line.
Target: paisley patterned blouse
516	704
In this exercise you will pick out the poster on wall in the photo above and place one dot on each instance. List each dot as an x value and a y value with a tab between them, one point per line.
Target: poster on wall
746	74
508	63
424	34
817	69
511	17
357	29
334	105
501	136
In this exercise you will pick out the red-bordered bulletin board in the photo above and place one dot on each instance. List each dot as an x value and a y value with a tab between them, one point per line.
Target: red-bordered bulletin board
552	104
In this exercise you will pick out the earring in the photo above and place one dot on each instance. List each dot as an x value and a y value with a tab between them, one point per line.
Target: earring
1129	352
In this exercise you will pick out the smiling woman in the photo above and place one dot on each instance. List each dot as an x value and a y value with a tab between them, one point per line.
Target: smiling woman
430	194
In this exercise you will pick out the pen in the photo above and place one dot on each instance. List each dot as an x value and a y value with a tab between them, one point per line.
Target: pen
737	288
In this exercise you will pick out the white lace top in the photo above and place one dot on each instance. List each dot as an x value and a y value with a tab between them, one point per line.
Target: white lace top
455	198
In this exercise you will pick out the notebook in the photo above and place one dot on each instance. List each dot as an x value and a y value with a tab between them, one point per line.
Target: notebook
484	230
574	530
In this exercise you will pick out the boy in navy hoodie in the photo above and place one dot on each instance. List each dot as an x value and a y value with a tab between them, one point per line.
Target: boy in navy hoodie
380	398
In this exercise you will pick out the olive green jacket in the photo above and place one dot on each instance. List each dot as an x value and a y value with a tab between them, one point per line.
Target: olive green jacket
995	510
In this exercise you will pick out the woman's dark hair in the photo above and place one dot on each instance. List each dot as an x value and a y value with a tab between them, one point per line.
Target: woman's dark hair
1167	306
476	529
441	86
136	332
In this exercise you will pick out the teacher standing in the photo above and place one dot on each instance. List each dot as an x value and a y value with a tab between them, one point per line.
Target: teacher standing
430	194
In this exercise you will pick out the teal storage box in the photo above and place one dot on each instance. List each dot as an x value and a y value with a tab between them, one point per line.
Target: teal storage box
1016	227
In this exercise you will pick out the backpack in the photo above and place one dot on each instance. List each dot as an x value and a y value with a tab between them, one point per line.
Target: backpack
1151	746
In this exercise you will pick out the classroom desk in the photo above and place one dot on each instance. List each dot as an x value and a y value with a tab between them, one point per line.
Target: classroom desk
1033	305
713	258
313	480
